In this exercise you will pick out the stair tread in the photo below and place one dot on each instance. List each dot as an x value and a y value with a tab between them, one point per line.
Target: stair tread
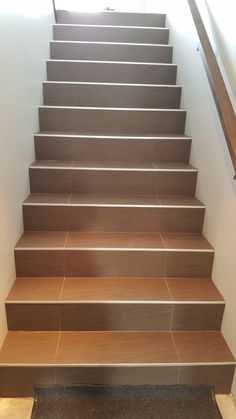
139	166
114	348
112	241
113	200
118	289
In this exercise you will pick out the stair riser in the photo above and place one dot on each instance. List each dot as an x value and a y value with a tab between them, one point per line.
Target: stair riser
111	72
110	52
112	150
111	219
95	317
112	182
111	96
126	19
73	263
20	381
112	121
110	34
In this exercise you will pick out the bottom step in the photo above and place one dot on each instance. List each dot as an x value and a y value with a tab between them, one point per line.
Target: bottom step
44	358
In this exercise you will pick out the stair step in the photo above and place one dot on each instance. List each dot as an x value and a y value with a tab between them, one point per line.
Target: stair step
108	33
113	72
44	358
114	304
112	148
110	51
111	95
113	254
112	178
112	18
92	120
113	213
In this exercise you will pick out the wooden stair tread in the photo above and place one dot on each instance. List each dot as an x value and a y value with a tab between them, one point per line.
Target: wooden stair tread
114	348
89	240
116	289
113	200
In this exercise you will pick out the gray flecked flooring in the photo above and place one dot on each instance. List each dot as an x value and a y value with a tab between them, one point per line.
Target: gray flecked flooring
125	402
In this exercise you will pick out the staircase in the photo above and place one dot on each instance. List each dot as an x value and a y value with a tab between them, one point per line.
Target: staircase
113	272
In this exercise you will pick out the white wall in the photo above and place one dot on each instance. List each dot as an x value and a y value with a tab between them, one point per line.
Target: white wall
215	187
25	31
221	19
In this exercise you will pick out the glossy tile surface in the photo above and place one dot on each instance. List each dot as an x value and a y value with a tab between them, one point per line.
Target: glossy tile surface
115	289
198	289
202	347
114	240
115	347
184	241
33	289
42	239
29	348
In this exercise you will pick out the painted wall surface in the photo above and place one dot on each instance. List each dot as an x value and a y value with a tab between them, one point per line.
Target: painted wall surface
221	19
25	31
216	187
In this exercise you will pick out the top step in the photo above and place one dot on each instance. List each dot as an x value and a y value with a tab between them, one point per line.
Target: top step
112	18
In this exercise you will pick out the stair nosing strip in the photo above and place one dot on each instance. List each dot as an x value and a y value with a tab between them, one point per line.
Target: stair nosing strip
111	26
102	108
113	205
121	137
141	302
60	41
124	365
114	249
110	62
113	169
112	84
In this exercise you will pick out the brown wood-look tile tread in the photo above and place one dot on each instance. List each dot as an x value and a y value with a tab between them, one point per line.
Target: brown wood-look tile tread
137	200
86	240
114	348
113	289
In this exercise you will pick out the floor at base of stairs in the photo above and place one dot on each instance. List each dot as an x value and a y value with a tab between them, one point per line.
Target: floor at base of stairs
21	407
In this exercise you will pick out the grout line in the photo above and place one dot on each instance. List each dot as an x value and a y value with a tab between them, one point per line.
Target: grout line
55	375
179	374
62	289
175	346
57	347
